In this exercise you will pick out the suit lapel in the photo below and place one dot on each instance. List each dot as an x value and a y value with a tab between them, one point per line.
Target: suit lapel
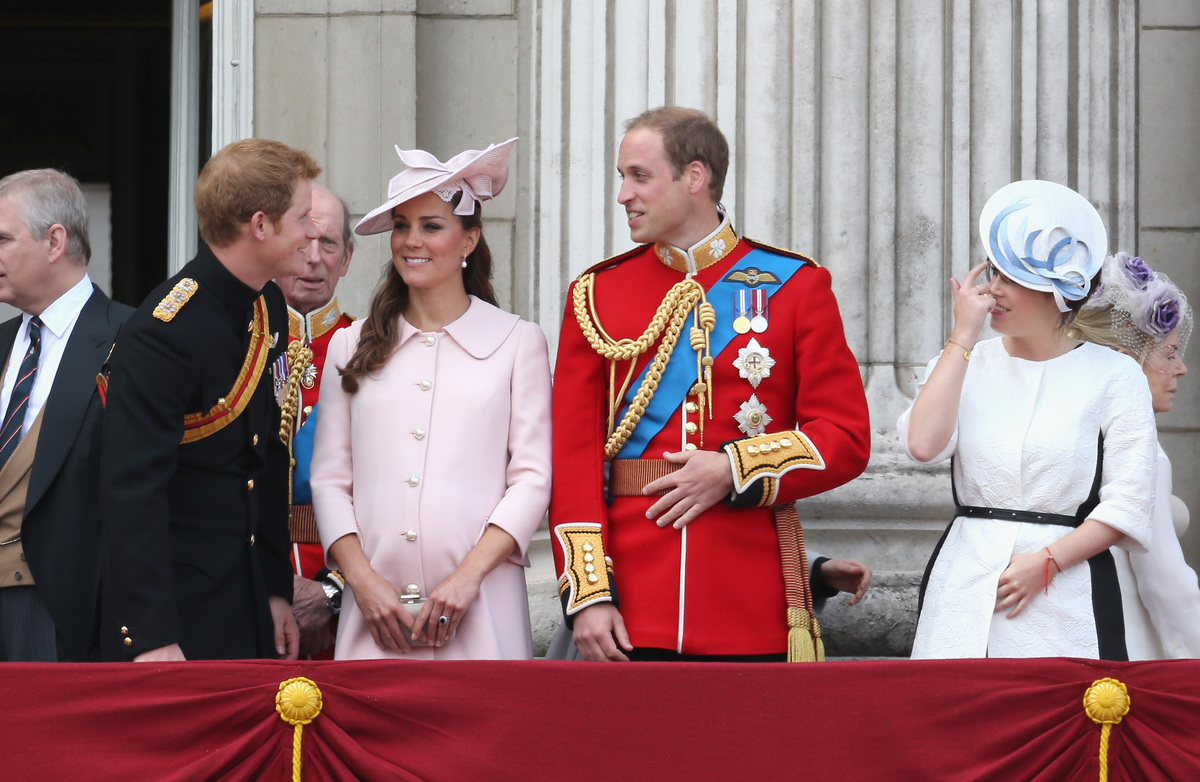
74	386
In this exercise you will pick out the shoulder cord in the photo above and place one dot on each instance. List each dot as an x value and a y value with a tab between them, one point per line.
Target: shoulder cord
683	297
298	355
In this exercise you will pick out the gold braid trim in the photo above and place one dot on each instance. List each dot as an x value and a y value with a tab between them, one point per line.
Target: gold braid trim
299	701
299	355
683	297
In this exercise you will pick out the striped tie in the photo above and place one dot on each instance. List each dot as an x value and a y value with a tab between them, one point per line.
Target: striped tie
18	403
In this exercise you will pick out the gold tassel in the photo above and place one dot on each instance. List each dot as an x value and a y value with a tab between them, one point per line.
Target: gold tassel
804	638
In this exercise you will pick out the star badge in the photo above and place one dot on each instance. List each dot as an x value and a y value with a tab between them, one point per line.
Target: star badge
752	418
754	362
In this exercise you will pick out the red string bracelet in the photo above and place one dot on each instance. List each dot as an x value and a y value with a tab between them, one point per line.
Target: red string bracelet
1046	578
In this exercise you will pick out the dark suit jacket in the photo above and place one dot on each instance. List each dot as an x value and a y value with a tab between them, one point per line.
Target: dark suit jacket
61	528
195	533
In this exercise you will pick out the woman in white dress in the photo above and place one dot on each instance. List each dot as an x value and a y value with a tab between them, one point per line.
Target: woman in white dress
1142	313
1052	440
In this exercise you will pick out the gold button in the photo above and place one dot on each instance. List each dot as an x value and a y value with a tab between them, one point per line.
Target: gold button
419	433
751	449
691	427
254	440
221	401
774	445
411	534
307	410
588	546
124	630
426	385
129	642
691	407
589	557
252	539
785	442
689	447
593	578
590	568
250	484
413	480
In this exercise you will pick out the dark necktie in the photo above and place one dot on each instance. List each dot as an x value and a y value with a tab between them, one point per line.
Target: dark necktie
18	403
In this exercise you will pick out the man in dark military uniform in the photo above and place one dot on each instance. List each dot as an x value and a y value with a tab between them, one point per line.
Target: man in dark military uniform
194	474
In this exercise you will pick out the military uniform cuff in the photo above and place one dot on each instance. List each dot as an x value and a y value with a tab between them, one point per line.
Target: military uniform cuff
759	462
587	573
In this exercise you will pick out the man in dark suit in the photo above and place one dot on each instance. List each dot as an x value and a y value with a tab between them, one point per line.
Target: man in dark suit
194	475
49	438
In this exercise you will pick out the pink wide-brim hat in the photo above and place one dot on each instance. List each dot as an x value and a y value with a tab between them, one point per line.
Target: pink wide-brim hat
479	174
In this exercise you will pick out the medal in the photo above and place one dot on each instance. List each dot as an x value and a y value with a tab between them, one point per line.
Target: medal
741	323
759	322
752	418
754	362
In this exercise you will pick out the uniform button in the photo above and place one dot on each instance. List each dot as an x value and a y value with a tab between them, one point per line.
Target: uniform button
17	576
785	442
589	557
419	434
593	578
691	427
254	440
752	449
430	340
588	546
252	539
307	410
590	568
124	631
691	407
426	385
414	480
250	485
410	534
129	642
689	447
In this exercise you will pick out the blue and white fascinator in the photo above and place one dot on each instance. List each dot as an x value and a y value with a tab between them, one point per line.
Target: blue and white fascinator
1045	237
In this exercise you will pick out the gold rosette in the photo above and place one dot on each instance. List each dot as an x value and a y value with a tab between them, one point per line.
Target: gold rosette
298	702
1106	703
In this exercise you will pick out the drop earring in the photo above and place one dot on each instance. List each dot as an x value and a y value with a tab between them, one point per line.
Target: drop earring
464	262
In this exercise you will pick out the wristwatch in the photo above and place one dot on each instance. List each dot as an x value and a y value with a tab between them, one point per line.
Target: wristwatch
332	583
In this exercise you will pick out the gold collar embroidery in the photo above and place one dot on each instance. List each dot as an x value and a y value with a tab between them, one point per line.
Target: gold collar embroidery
701	255
315	324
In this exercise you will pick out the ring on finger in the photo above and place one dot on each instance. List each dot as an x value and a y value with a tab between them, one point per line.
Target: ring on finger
443	619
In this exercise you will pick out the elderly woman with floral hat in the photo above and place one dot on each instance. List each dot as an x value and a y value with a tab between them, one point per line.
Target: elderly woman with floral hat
431	466
1142	313
1052	440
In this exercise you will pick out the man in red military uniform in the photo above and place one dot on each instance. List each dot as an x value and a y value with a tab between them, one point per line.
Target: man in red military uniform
313	317
703	384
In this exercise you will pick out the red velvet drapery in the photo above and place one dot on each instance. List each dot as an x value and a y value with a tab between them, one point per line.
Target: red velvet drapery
894	720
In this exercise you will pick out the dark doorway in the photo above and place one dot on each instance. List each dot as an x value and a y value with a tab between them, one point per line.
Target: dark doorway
88	91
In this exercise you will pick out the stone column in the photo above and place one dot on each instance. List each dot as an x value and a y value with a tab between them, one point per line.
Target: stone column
866	134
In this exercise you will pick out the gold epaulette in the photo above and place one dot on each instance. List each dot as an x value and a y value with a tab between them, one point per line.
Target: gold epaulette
779	251
769	456
586	576
173	302
614	260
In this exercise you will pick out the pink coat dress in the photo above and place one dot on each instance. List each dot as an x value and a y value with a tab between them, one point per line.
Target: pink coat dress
451	435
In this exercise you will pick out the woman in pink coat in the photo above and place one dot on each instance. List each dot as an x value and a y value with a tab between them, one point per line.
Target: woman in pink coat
431	467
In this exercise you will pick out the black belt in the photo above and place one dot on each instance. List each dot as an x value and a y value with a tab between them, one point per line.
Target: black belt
976	512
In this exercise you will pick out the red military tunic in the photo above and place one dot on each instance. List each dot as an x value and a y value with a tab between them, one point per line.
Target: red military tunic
315	329
715	587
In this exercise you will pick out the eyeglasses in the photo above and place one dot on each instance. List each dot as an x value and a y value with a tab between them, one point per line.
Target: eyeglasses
991	272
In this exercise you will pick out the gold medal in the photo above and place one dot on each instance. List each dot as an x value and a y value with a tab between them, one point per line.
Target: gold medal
741	324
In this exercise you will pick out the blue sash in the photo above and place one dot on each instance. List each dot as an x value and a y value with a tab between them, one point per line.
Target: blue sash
302	451
680	373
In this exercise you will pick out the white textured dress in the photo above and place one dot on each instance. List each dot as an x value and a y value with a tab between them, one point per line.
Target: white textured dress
1159	590
1026	439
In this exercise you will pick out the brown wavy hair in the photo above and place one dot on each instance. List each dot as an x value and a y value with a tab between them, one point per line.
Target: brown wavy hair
381	329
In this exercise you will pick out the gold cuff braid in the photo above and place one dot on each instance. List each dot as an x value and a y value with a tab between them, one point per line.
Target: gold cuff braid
585	568
770	456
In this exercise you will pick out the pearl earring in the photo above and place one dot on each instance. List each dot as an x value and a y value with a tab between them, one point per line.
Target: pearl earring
464	262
